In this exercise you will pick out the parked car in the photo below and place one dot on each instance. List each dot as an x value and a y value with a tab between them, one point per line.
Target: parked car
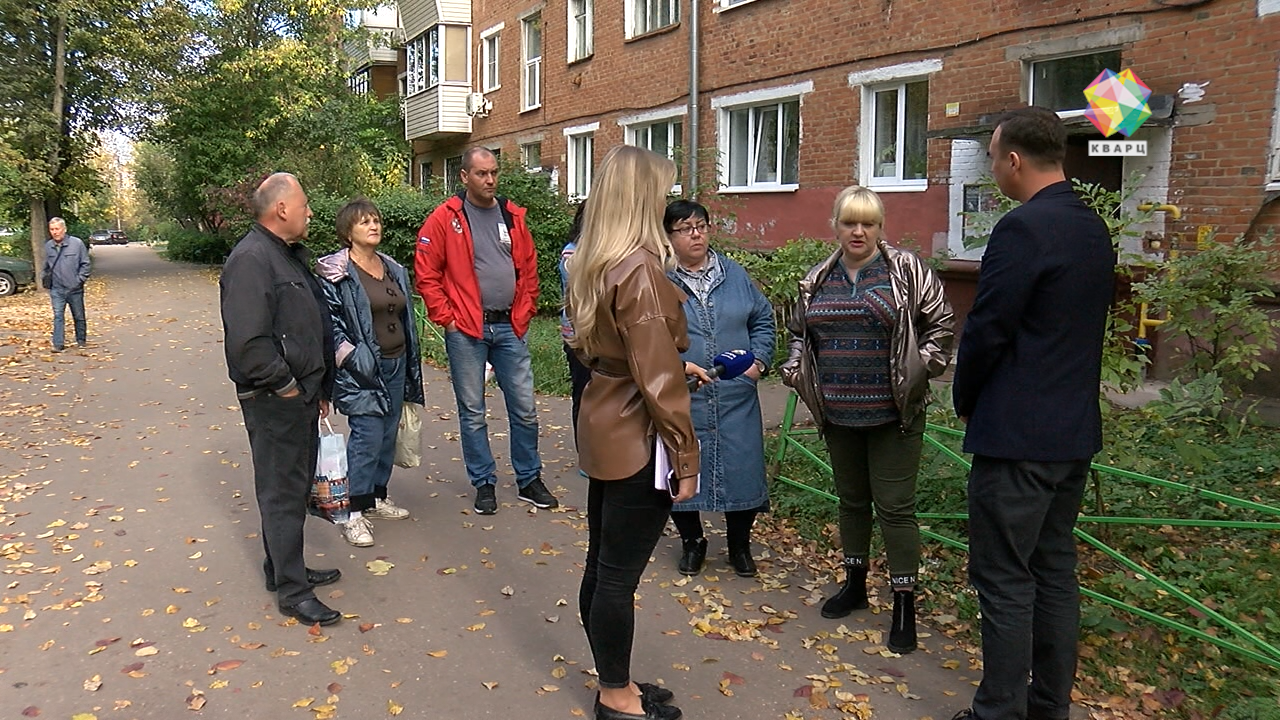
100	237
118	237
14	273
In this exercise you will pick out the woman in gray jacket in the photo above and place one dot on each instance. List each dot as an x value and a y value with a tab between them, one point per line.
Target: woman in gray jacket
376	350
871	327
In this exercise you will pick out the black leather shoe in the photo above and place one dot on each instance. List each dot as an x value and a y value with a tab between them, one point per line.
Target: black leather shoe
693	557
315	577
655	693
652	711
743	564
311	611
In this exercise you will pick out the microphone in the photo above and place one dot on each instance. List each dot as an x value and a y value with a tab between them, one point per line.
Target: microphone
728	365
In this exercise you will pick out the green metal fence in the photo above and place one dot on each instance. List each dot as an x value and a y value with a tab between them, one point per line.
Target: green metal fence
1236	639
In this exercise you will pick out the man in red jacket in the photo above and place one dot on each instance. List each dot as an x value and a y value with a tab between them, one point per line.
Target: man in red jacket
477	273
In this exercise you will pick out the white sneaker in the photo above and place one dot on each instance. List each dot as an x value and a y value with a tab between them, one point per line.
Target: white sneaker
386	510
358	532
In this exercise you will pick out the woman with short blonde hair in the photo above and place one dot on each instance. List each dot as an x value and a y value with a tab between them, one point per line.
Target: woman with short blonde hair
629	328
871	327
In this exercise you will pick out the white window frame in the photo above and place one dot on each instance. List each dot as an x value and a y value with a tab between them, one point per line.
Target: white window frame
722	5
491	58
1273	160
867	141
726	104
634	125
579	139
531	75
358	82
415	56
868	82
524	155
638	14
586	22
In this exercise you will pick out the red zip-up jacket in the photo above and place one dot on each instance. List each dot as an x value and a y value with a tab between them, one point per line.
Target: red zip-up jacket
445	275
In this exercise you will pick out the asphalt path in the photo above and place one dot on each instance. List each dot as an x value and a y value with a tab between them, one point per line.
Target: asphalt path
133	588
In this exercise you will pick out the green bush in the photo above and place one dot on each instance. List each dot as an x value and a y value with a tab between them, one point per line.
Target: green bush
196	247
778	273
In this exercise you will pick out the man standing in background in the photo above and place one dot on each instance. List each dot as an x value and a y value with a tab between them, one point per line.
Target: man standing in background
477	272
66	269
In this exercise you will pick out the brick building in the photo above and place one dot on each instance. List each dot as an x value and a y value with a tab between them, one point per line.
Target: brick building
799	98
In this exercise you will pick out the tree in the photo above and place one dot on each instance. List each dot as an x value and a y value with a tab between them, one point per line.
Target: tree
270	94
71	69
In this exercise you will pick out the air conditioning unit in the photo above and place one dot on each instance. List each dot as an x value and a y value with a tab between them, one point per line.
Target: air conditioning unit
478	105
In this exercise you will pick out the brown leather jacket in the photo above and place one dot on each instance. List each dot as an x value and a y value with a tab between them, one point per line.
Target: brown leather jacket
919	350
637	381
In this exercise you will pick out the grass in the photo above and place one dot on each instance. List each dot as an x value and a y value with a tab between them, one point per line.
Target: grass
550	373
1231	570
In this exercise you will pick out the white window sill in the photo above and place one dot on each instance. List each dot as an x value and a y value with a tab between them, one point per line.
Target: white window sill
896	188
1273	186
755	189
531	108
722	6
491	89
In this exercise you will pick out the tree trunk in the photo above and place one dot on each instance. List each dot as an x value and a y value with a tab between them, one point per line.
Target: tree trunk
39	224
39	221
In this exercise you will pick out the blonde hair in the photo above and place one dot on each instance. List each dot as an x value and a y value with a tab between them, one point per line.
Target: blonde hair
624	214
857	204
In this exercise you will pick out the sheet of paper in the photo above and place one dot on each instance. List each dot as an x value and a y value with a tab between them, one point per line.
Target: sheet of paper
662	472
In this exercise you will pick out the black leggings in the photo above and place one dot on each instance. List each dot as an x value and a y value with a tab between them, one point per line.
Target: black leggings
737	522
624	521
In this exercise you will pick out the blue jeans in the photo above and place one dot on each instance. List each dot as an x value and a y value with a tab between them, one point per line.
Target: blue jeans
372	445
61	299
513	369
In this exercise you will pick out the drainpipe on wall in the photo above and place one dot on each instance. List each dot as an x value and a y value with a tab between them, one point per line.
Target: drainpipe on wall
691	142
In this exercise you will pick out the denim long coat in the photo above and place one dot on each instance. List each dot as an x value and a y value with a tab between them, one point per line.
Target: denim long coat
726	413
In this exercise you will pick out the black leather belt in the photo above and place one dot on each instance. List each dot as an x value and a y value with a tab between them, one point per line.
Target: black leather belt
497	316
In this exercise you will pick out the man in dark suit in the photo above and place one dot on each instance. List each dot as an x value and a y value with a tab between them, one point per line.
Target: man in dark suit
1027	380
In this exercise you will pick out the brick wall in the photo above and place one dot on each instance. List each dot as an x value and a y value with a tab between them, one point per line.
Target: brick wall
1217	170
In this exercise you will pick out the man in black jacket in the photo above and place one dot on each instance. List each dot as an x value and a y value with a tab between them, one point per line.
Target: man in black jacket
1027	382
280	356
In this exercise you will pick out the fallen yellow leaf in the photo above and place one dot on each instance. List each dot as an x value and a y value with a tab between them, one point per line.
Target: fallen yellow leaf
394	708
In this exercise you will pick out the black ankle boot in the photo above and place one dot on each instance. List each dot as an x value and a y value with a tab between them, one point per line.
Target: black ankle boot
743	564
902	635
853	596
695	554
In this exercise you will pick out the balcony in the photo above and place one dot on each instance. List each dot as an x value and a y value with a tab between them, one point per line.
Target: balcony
438	110
378	48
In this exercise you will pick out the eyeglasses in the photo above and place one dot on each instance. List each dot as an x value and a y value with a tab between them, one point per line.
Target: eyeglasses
686	231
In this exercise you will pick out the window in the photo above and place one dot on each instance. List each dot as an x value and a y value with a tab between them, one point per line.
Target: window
581	144
763	145
1059	84
665	137
489	58
532	33
531	156
359	82
899	116
425	171
645	16
453	173
428	60
415	60
580	29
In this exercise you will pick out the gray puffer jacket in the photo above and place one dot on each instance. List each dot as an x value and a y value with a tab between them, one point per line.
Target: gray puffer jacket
358	385
920	348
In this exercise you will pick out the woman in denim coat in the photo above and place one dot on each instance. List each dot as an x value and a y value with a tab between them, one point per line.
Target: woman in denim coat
725	311
367	294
